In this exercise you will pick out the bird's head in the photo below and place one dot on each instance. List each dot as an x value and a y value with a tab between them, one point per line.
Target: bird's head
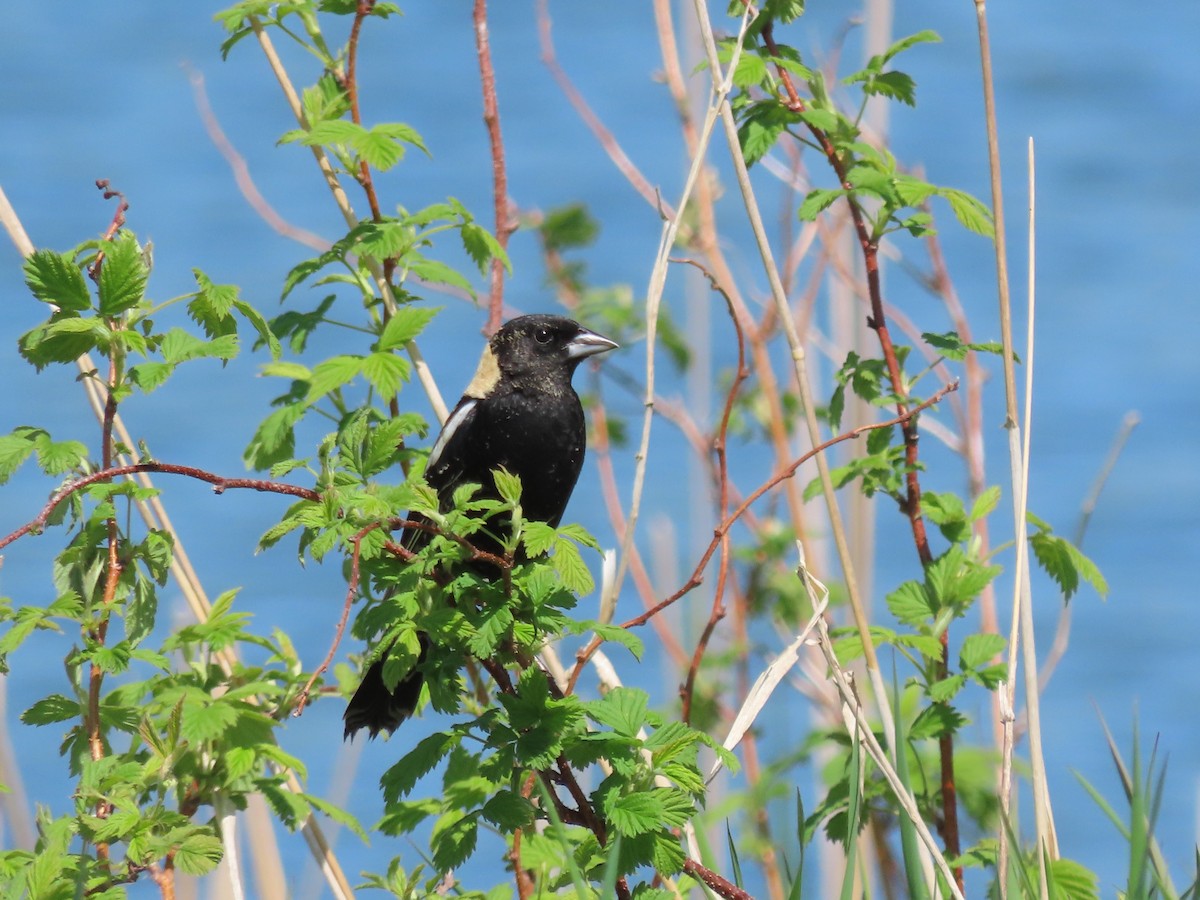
539	347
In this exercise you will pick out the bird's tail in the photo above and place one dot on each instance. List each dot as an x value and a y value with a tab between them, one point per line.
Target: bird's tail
376	708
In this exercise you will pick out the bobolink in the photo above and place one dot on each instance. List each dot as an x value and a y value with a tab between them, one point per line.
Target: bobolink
521	413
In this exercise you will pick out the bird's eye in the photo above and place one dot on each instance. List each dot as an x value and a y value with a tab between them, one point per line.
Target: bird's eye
542	335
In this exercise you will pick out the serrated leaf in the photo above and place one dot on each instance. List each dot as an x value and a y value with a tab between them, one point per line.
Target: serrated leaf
63	340
921	37
54	278
123	274
339	815
386	372
910	604
569	564
823	119
949	344
751	70
508	811
430	271
943	691
483	247
817	201
149	376
985	503
634	814
453	841
206	719
971	213
872	180
331	374
15	449
401	778
979	649
198	854
622	709
48	710
894	85
508	486
935	720
405	325
538	537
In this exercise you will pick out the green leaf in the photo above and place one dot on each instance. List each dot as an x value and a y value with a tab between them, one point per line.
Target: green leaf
921	37
123	274
259	323
430	271
944	690
622	709
482	247
339	815
198	854
817	201
48	710
63	340
971	213
331	374
15	448
894	85
1066	564
508	811
401	778
206	719
149	376
979	649
873	181
634	814
508	485
750	71
538	538
1072	881
405	325
569	564
936	720
386	372
453	840
54	278
985	503
910	604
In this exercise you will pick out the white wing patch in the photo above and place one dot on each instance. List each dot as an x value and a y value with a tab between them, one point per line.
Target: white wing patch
461	413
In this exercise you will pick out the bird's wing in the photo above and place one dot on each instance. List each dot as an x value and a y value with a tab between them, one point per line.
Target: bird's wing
445	468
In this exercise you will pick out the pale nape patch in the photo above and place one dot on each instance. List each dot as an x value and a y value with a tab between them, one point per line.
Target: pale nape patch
486	376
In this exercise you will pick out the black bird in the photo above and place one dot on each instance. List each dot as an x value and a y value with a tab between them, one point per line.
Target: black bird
519	412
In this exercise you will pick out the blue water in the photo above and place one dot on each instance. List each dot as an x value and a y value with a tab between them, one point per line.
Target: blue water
1112	99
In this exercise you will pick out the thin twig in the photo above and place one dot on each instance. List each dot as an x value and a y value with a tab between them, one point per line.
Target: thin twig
491	118
220	485
719	532
241	171
741	373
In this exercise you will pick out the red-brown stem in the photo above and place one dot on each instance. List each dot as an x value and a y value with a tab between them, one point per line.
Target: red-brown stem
912	501
351	591
220	485
600	131
491	118
712	880
719	532
525	885
114	225
719	448
616	516
361	12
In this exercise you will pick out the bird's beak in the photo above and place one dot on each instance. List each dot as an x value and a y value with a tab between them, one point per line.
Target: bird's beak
588	343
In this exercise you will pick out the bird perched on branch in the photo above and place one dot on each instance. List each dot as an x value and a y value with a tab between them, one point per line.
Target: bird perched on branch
521	413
